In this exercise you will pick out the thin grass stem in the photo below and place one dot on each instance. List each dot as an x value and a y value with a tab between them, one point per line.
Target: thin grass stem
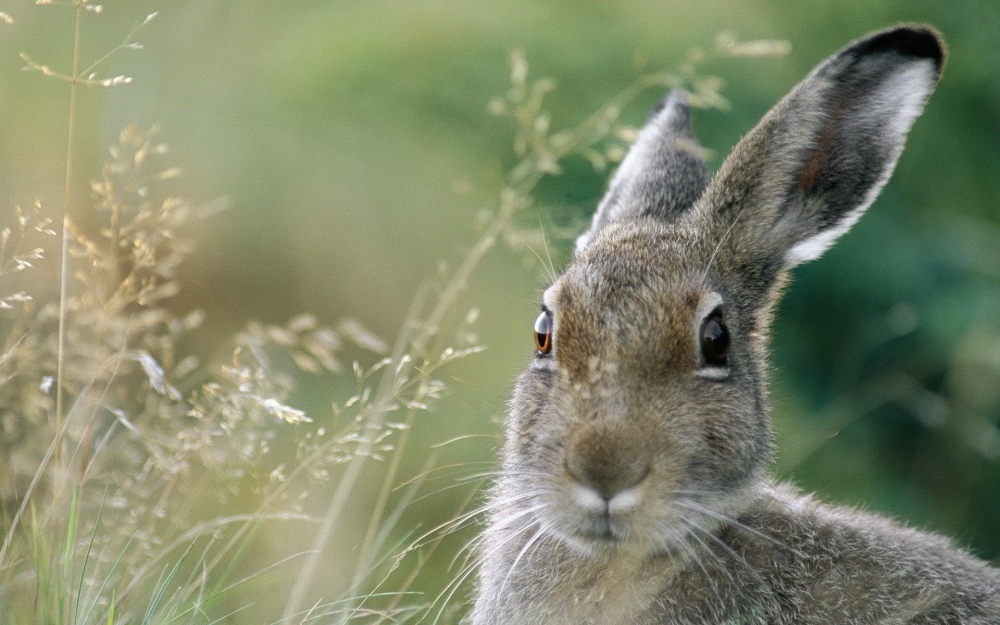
67	198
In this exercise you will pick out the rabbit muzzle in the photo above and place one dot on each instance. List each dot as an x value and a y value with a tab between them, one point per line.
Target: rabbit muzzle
607	468
608	461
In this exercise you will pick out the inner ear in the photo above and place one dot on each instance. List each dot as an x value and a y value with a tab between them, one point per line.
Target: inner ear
855	150
818	159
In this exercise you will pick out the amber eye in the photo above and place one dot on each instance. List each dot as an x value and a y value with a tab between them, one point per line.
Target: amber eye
543	333
714	339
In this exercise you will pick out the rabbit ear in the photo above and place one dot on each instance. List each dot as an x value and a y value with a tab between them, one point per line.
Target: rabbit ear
662	175
809	169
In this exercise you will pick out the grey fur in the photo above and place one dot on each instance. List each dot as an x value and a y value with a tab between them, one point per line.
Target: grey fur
662	175
634	485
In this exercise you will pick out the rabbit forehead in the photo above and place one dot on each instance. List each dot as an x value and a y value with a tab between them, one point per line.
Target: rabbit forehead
641	252
631	298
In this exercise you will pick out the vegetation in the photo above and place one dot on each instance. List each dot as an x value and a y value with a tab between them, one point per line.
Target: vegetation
164	457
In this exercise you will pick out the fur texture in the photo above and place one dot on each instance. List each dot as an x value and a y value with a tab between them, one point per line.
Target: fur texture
634	485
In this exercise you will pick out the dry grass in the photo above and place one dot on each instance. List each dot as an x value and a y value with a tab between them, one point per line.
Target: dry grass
127	461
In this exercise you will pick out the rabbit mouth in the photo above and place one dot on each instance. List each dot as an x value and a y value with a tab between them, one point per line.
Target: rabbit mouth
602	529
597	524
594	526
597	537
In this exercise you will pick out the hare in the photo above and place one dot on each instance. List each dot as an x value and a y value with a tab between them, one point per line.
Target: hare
634	485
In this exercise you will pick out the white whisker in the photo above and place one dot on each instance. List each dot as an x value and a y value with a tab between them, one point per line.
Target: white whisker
735	523
531	541
721	242
693	527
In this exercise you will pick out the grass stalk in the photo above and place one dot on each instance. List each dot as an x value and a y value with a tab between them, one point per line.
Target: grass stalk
67	198
429	331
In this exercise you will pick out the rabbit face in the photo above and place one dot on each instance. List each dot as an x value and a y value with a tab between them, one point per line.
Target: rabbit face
643	420
633	431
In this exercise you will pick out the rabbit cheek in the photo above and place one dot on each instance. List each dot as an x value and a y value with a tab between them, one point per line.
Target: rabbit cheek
734	445
529	419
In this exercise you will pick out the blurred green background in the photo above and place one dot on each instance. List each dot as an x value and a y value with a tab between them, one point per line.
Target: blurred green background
354	141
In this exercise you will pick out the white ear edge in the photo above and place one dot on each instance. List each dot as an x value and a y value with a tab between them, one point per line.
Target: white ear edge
901	99
906	93
813	247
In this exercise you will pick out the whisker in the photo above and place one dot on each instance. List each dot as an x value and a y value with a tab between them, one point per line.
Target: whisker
453	585
553	275
722	241
541	532
458	522
678	539
425	475
468	550
443	489
730	520
495	549
693	527
468	568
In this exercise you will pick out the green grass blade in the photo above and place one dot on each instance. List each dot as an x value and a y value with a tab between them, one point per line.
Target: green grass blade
162	584
86	558
66	597
104	584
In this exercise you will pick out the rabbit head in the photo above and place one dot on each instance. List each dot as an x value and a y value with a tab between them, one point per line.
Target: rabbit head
645	409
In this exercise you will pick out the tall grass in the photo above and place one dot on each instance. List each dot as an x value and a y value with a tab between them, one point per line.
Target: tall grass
136	476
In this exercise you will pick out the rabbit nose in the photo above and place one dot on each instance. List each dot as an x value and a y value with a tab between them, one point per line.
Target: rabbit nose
608	461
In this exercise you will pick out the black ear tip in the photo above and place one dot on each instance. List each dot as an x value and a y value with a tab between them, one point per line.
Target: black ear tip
913	40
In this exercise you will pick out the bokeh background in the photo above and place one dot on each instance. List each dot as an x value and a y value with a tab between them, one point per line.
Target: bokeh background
354	141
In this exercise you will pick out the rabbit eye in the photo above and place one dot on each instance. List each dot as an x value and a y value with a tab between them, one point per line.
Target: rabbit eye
715	339
543	333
